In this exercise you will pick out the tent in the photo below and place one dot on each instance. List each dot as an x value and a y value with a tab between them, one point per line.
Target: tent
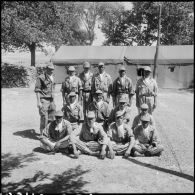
175	70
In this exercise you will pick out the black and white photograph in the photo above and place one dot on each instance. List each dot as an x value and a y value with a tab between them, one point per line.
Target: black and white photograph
97	97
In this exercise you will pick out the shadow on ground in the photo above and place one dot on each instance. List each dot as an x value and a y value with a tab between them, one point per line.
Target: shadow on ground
70	181
10	162
28	133
179	174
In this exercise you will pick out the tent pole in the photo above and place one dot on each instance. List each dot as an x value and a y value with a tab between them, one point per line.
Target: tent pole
157	46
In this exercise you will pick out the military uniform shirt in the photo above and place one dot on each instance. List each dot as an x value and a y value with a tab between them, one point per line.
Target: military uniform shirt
86	81
55	135
44	86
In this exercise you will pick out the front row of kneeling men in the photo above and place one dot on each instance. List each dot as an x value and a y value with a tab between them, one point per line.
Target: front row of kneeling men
106	136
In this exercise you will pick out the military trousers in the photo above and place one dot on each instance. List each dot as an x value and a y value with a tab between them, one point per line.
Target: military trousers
47	112
119	148
87	99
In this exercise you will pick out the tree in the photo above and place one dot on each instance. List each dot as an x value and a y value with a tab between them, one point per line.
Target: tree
26	24
139	25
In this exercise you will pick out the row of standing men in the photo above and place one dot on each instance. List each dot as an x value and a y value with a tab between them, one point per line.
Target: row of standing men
93	92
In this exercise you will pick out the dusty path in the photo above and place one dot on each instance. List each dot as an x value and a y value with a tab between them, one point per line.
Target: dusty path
26	168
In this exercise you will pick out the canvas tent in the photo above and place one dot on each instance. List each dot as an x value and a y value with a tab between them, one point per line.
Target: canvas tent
175	70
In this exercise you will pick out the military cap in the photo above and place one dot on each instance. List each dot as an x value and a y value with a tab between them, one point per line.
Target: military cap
122	99
101	64
86	65
145	118
71	68
50	65
59	113
122	68
119	113
72	93
90	114
144	106
147	68
98	92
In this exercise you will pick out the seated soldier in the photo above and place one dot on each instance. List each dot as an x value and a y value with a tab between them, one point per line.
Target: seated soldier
146	142
57	135
92	140
121	136
144	111
123	106
73	112
100	108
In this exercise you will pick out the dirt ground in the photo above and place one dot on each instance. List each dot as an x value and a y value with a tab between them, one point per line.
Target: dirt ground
26	168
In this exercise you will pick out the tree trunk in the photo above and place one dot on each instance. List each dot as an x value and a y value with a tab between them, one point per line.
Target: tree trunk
32	48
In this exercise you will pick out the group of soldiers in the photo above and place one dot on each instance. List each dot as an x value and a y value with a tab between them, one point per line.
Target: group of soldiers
87	125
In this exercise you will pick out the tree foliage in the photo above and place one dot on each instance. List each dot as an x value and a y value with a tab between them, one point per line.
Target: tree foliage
140	24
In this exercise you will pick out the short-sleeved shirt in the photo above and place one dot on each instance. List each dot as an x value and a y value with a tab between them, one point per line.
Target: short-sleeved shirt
127	111
74	114
99	133
137	121
145	136
86	81
104	84
146	88
45	86
119	87
102	113
55	135
114	135
74	86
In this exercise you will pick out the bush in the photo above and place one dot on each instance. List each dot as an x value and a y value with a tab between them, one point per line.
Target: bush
19	76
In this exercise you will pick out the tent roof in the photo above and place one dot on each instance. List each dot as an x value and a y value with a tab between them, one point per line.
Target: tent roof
179	54
92	54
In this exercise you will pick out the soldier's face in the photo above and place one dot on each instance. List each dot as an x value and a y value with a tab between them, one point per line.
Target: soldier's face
146	73
71	73
90	122
119	120
98	97
145	124
72	99
101	69
50	71
144	111
58	119
122	105
122	73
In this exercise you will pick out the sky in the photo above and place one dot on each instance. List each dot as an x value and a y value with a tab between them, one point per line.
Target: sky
100	38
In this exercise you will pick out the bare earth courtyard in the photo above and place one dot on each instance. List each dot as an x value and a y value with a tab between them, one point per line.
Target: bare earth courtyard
25	168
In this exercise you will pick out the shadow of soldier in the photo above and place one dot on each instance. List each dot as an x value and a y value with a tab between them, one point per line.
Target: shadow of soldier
28	133
70	181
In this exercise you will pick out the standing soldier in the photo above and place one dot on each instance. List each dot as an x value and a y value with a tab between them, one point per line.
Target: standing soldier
122	86
44	89
72	83
146	91
102	81
86	80
73	112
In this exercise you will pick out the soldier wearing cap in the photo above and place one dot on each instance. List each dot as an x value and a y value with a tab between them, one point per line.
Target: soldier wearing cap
72	83
86	80
121	135
146	141
122	86
122	106
44	89
92	139
57	135
102	81
146	91
137	119
100	108
73	112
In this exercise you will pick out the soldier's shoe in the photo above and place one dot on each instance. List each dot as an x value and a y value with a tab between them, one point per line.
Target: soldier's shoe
137	154
51	153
